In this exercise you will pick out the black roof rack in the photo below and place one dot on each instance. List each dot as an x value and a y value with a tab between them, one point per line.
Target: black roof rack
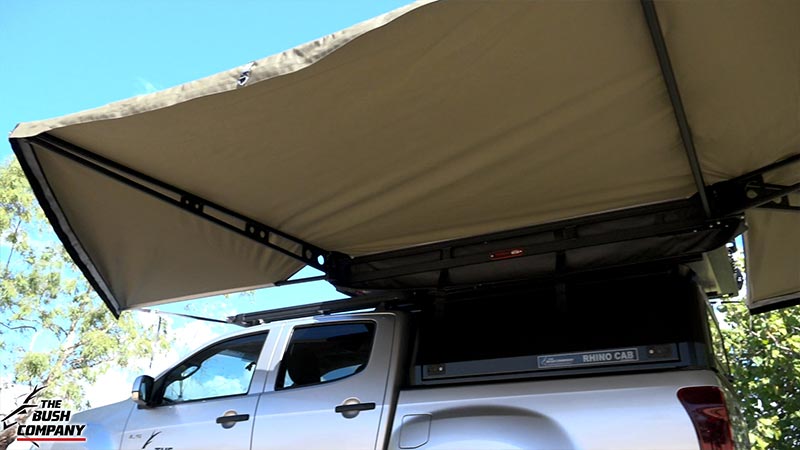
381	301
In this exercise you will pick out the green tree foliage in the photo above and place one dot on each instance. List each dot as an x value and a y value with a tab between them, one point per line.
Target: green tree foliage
765	364
44	297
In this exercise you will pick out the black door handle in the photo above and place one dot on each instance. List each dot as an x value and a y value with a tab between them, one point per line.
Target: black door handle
355	407
234	418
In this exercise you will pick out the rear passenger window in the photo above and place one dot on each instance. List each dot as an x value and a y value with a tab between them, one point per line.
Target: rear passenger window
324	353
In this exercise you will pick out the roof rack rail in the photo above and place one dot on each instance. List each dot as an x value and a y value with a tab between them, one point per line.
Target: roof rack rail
381	300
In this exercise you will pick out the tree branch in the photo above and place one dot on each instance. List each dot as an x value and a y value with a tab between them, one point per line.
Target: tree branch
21	327
13	247
777	343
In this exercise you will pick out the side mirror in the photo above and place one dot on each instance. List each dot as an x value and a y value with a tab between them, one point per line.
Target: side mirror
142	392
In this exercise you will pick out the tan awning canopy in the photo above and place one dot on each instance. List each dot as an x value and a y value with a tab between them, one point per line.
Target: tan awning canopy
438	121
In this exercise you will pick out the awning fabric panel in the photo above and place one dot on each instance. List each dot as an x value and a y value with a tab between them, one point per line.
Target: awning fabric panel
438	121
148	251
772	236
737	64
388	129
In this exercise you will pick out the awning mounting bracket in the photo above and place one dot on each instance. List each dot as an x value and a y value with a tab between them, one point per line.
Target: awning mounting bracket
749	191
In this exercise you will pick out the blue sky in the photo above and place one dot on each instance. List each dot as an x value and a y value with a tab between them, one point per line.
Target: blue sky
60	57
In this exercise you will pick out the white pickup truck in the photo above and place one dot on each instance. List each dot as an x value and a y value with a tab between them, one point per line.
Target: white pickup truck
522	366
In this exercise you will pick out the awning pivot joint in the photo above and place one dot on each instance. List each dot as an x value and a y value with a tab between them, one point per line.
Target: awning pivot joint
751	191
245	75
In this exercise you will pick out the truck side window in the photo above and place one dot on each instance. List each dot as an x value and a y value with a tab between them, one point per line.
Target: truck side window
324	353
220	371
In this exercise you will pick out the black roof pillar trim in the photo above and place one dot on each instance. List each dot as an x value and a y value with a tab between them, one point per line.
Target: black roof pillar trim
308	254
677	105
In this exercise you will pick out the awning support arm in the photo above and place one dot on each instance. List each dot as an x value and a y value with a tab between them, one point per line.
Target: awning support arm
675	98
245	226
748	191
782	203
300	281
188	316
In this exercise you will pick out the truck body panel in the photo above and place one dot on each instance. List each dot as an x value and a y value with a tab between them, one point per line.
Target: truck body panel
609	412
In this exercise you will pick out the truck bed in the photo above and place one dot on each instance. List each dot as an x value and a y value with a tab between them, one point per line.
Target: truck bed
617	412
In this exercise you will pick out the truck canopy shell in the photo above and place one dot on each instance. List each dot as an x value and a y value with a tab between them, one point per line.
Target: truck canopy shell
436	122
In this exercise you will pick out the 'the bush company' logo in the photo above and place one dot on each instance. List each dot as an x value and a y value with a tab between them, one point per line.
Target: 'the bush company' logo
43	421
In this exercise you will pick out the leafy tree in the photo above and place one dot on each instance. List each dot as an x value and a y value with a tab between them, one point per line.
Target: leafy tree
44	296
765	362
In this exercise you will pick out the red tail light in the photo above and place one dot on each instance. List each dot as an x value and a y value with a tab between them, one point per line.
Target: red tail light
709	413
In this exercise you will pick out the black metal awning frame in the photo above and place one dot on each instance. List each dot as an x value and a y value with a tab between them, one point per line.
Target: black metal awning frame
732	196
250	228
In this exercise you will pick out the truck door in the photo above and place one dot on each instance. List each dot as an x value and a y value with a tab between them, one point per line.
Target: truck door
330	389
207	401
